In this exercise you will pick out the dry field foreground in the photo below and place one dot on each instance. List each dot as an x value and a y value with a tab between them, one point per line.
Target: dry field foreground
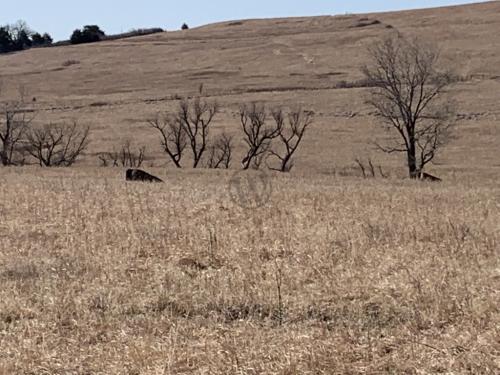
378	276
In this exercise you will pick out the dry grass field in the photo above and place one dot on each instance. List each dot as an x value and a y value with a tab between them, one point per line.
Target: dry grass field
330	274
102	277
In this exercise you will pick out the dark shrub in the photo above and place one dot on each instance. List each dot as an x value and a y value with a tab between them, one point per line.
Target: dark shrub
185	26
19	37
6	43
140	175
89	34
41	40
22	40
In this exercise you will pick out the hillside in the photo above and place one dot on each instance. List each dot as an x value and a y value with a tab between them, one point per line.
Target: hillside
116	86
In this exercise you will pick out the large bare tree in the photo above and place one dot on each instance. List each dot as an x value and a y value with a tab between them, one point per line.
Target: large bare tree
410	96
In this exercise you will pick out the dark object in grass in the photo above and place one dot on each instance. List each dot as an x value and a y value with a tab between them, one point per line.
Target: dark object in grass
140	175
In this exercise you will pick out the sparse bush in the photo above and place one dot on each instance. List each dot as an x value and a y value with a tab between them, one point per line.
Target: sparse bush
364	22
371	169
126	157
70	62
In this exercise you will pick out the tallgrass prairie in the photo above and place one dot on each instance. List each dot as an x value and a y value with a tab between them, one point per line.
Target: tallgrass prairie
217	272
326	275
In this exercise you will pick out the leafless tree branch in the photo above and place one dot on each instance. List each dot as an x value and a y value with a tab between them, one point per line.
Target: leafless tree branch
258	135
126	157
57	145
195	118
173	137
221	152
292	128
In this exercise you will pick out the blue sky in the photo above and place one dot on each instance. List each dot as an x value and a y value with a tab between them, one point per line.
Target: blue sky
61	17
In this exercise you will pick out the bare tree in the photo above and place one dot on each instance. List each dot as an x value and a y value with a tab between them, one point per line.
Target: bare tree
14	122
189	126
258	135
371	169
292	130
221	152
173	137
409	96
361	167
195	118
57	145
126	157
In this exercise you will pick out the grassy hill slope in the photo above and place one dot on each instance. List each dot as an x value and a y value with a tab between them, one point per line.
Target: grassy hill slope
116	86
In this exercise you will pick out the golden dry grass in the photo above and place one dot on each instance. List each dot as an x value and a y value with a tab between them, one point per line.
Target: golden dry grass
99	276
381	276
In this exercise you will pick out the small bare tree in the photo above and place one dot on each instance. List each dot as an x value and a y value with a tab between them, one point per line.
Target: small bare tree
361	167
57	145
292	130
258	135
221	152
173	137
126	157
14	122
409	96
195	118
371	167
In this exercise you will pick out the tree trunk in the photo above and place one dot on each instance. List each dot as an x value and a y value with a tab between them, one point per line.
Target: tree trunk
4	155
412	161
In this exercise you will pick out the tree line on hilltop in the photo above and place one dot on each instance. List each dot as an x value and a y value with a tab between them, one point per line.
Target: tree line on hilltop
19	36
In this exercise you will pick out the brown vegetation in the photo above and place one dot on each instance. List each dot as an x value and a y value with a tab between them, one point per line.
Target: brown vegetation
375	277
317	272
